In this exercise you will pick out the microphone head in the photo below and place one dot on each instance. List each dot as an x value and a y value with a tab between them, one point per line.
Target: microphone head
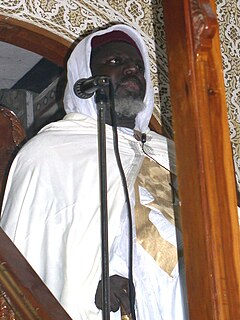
79	92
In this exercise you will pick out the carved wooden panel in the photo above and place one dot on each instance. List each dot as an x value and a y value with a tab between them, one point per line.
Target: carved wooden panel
12	135
204	23
6	313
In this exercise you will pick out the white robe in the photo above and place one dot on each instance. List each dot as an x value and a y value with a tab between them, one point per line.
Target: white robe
51	212
51	206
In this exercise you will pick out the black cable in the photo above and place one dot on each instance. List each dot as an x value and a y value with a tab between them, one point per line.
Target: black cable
125	189
143	140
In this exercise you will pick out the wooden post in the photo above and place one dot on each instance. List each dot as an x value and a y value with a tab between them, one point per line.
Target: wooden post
204	161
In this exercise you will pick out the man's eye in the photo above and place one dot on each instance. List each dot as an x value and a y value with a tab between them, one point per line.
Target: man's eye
115	61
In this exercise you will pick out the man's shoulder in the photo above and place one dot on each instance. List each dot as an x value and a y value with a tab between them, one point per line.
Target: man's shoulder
34	149
38	141
56	140
49	135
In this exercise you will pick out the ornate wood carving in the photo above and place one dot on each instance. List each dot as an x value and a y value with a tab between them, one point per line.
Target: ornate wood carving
6	313
17	132
11	138
9	288
204	24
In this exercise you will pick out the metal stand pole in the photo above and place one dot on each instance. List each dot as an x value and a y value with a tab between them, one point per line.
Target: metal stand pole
101	101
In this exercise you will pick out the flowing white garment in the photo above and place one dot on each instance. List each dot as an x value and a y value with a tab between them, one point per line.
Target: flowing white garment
51	205
53	198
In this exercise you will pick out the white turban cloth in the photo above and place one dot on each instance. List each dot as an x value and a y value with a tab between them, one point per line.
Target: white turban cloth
79	68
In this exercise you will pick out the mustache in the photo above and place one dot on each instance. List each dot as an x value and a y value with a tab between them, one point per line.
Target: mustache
127	78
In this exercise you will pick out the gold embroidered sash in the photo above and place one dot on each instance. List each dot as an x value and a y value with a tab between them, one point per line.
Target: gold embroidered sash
157	181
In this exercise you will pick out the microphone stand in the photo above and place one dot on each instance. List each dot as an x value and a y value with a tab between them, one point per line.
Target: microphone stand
101	99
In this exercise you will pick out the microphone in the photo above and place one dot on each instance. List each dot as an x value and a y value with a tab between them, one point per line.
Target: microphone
85	88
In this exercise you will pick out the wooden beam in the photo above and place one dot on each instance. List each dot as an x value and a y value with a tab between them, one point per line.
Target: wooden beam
33	38
204	161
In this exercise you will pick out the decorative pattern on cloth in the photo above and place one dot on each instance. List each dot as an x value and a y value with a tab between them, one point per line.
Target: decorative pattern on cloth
156	180
74	19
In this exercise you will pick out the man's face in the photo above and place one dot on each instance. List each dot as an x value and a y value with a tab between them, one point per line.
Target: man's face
123	64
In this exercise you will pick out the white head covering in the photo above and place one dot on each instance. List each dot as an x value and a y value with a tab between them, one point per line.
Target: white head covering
79	67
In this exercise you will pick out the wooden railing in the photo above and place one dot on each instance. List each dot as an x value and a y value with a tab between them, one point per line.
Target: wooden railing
23	295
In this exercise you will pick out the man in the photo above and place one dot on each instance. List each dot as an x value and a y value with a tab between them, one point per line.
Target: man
51	207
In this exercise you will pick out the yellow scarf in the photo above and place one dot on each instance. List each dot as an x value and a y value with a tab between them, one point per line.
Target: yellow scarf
157	181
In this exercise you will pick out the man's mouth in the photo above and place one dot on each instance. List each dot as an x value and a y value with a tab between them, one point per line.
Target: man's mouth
131	84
